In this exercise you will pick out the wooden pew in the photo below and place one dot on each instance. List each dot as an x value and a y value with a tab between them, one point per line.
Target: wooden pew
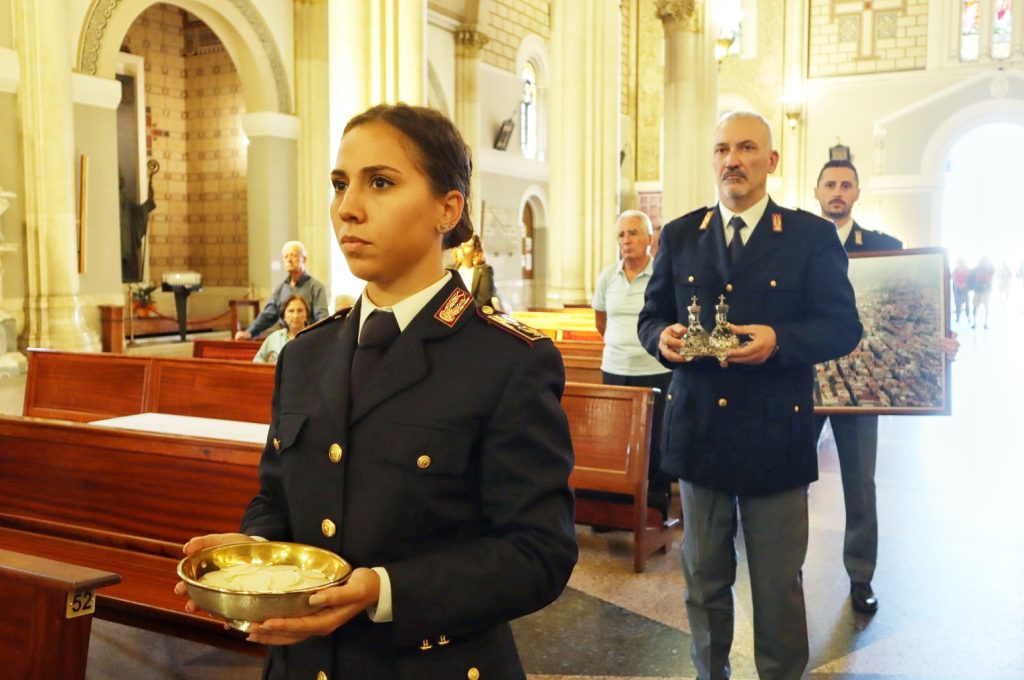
84	387
611	436
47	616
583	369
124	502
236	350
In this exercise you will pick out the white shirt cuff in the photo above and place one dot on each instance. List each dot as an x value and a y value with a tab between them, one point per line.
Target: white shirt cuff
382	612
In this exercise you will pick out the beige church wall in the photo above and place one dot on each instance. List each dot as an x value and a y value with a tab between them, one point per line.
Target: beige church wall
757	79
215	239
6	29
509	22
94	130
502	232
12	221
500	94
650	93
900	189
441	67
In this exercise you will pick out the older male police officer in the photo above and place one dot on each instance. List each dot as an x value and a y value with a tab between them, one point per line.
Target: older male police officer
741	438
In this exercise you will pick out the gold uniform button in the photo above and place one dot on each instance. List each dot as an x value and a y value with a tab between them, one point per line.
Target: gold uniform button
669	398
773	283
487	309
321	676
443	640
327	528
723	402
425	645
423	462
691	278
728	288
473	674
277	444
796	409
335	453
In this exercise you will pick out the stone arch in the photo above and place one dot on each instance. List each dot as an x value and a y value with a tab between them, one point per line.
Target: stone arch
534	292
237	23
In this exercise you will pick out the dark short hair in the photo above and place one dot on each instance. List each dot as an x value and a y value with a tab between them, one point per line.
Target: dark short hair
838	164
305	303
444	157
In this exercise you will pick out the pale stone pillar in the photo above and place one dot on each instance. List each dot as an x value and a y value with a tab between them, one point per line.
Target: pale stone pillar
584	146
52	315
315	146
376	54
271	188
691	107
793	149
468	43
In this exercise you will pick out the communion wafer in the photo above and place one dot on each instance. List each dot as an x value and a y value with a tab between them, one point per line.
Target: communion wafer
271	578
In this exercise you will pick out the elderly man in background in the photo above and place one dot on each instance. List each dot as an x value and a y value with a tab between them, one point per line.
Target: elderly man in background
293	255
618	299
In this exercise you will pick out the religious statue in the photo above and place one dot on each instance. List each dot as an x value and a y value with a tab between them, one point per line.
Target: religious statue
134	224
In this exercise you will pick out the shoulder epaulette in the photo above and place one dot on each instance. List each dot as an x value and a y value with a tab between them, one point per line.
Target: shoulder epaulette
694	212
340	314
510	325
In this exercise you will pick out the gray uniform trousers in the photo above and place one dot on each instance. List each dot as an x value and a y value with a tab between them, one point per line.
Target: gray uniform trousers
857	444
775	533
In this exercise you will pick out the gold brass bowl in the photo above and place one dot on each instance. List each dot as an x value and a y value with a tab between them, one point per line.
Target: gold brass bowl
241	608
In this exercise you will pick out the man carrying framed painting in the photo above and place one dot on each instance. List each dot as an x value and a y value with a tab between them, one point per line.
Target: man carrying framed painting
856	436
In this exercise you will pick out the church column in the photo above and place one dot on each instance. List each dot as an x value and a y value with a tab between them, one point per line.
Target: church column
794	137
584	146
468	43
52	315
376	54
271	193
316	149
691	107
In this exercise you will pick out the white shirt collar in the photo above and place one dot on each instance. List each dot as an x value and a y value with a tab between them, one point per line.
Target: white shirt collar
405	310
751	216
620	266
844	232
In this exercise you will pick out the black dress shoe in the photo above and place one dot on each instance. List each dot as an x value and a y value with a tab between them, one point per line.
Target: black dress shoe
863	598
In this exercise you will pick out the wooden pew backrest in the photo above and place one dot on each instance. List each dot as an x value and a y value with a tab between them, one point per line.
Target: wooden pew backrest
236	350
611	431
212	388
84	387
146	493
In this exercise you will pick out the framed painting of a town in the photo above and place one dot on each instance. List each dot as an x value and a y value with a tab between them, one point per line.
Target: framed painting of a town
898	367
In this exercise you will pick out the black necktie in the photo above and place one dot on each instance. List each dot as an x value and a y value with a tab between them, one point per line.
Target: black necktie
379	330
736	245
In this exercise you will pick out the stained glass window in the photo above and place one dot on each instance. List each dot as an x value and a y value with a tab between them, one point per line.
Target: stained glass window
970	27
528	112
1001	27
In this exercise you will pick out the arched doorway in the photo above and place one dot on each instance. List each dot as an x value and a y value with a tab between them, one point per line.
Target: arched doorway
982	171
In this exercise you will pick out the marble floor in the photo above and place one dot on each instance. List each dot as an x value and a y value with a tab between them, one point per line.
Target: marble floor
950	575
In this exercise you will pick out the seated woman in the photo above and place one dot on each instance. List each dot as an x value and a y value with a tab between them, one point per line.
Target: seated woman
475	272
296	316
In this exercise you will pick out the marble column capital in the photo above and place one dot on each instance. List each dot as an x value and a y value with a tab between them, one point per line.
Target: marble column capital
681	15
469	40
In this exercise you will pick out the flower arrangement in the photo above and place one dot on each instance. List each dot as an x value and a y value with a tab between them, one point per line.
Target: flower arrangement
143	304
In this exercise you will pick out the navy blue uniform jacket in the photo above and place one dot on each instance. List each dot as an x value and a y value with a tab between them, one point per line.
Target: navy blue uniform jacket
479	533
750	429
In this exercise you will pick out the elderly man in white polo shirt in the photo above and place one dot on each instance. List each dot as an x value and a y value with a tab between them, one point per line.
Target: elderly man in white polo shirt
618	299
